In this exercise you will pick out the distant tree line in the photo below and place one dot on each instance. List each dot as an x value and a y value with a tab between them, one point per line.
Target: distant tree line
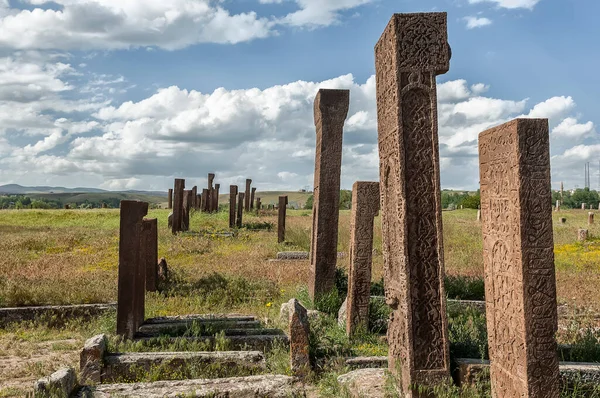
450	200
574	200
26	202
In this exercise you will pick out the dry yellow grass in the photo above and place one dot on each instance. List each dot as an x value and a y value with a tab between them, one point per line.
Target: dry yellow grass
63	257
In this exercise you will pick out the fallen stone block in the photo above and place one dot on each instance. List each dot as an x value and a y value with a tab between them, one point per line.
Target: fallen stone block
55	315
367	362
210	318
257	343
91	359
132	366
364	383
179	327
59	384
300	255
580	374
275	386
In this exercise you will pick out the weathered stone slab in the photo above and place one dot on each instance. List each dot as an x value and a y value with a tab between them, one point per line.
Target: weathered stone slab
194	194
256	342
258	205
130	262
590	218
178	328
471	371
518	254
330	111
240	208
247	195
367	362
209	318
411	52
170	199
134	365
301	255
283	201
178	205
60	384
150	253
365	206
364	383
299	332
55	315
252	194
233	191
91	359
275	386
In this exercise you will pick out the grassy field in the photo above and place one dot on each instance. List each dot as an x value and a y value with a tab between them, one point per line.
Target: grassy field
71	256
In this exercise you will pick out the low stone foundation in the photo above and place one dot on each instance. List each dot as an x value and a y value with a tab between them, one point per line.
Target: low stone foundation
54	315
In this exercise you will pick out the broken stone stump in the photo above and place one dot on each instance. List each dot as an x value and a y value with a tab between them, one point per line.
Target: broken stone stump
283	201
258	205
365	205
130	262
247	195
330	111
150	236
518	257
233	191
59	384
298	333
178	205
582	235
411	52
91	359
162	274
590	218
240	209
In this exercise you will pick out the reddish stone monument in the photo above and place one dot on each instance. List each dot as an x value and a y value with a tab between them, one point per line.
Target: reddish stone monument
194	193
252	198
187	204
247	195
215	199
209	201
178	205
330	111
411	52
365	205
283	201
518	257
150	253
130	264
205	194
233	191
170	199
240	208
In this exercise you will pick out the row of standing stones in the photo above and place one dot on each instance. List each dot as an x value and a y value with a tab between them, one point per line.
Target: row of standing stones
516	210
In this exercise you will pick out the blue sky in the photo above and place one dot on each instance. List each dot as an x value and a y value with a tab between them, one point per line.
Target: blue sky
130	94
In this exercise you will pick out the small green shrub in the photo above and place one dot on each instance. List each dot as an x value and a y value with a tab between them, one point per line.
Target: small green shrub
464	288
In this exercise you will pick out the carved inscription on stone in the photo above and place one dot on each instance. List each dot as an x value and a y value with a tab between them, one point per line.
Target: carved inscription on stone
365	205
514	161
330	111
412	50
